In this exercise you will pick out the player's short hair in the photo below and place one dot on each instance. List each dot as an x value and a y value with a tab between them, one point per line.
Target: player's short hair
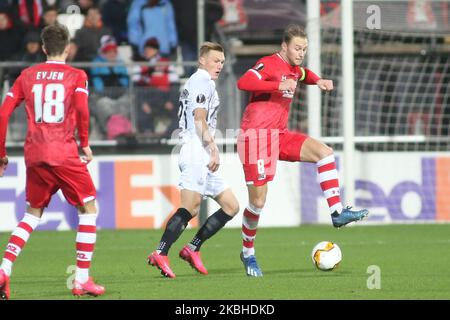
55	38
210	46
292	31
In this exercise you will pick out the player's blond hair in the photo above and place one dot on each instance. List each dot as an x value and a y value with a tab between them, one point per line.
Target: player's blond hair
292	31
210	46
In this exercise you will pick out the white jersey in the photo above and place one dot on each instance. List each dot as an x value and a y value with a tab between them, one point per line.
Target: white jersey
198	92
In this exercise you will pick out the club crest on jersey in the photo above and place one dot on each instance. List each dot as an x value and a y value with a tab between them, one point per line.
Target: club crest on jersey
287	93
184	94
201	98
259	66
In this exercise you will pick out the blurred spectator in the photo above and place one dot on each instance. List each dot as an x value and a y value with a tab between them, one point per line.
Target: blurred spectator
32	52
87	39
49	17
154	75
114	13
154	103
6	4
152	19
85	5
29	13
10	35
52	3
187	26
110	84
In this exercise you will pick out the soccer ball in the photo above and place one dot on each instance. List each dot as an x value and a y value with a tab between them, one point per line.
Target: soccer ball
326	255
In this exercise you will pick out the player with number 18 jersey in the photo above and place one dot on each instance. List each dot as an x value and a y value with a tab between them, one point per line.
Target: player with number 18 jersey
56	103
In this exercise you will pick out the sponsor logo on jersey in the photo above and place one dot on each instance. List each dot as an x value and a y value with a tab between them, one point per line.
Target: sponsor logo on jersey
259	67
261	176
286	93
201	98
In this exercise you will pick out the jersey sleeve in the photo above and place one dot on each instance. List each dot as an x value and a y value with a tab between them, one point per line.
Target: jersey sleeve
13	99
308	77
82	108
258	78
201	94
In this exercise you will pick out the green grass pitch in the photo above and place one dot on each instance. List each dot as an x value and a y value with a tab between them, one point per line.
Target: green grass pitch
413	261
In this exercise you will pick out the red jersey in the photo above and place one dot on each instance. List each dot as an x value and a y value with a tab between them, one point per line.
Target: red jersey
56	102
268	107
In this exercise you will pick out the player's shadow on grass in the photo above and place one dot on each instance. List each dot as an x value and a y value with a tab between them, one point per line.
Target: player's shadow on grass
307	272
213	272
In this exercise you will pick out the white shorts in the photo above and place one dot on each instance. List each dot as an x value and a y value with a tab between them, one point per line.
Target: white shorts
195	175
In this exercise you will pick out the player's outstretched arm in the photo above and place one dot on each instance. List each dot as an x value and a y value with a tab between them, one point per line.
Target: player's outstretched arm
254	81
311	78
203	132
324	84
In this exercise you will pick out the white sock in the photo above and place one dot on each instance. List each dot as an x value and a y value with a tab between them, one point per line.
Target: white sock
6	266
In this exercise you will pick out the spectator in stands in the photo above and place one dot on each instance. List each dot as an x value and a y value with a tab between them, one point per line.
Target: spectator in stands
29	13
87	39
153	74
110	84
114	13
32	49
49	17
52	4
186	24
10	37
85	5
159	77
152	19
30	53
6	4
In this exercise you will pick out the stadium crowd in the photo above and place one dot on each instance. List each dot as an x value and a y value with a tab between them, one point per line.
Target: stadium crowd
114	32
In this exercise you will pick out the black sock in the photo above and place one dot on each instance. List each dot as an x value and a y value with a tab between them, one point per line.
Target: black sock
213	224
175	227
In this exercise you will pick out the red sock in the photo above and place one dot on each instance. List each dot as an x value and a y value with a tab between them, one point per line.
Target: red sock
249	228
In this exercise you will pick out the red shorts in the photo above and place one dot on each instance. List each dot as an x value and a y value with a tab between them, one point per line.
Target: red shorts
43	181
260	149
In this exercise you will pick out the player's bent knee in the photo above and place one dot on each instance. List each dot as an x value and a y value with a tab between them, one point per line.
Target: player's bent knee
231	209
258	202
194	211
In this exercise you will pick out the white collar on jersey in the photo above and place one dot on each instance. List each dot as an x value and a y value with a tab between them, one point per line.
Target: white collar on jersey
279	55
204	73
55	62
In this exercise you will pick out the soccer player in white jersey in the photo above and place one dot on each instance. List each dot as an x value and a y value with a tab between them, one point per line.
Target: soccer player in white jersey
198	162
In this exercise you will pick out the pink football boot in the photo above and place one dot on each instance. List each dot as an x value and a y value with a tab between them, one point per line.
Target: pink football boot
87	288
193	258
162	263
4	285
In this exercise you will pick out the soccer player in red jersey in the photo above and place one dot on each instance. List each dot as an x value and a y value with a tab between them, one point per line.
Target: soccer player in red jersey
56	102
264	137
